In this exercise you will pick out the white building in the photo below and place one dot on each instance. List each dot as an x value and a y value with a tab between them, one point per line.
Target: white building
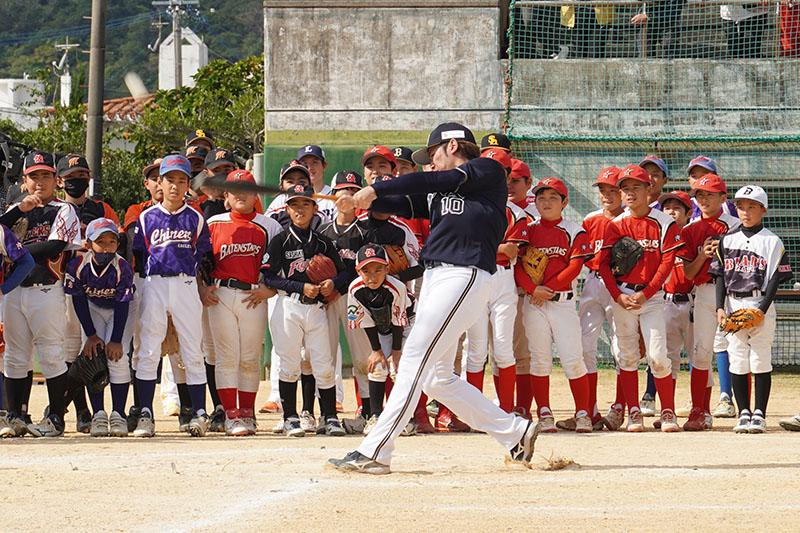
18	101
194	55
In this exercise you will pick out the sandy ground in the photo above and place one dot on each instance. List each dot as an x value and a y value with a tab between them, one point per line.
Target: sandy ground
652	481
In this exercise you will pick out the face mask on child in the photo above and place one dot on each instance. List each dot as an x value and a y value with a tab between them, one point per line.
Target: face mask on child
76	187
103	258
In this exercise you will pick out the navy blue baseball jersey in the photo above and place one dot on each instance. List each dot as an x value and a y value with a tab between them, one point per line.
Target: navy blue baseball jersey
466	207
114	283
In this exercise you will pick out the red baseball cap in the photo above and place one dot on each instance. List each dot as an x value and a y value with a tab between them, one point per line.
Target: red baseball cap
607	176
551	183
241	175
519	169
709	182
379	151
634	172
676	195
501	156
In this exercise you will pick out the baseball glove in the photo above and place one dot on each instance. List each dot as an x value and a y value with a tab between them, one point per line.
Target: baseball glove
742	319
20	228
625	253
171	345
534	262
91	372
320	268
398	262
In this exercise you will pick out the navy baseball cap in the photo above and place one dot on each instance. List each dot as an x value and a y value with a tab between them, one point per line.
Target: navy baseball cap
199	134
294	164
311	149
37	160
442	134
300	191
345	179
403	153
219	156
495	140
175	162
657	161
703	162
195	151
371	253
71	163
384	177
98	226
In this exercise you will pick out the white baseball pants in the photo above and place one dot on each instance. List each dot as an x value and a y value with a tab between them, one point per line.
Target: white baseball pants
177	296
357	341
501	312
554	323
650	318
455	297
73	332
750	350
705	325
594	309
680	332
34	320
238	336
207	345
103	320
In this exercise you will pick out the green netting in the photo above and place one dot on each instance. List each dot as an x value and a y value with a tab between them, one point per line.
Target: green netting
588	89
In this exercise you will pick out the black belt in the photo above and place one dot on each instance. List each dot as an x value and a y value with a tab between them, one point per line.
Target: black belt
562	296
678	297
234	284
434	264
634	288
29	285
747	294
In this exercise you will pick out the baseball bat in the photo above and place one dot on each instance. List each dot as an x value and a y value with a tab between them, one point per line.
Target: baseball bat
219	182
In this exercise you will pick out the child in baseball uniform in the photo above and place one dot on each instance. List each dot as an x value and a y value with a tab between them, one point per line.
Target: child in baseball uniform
701	237
237	310
749	264
298	320
172	239
313	157
378	161
381	306
549	313
501	311
595	305
100	284
34	314
638	296
349	235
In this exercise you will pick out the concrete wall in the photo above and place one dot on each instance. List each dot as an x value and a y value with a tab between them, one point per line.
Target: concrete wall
392	66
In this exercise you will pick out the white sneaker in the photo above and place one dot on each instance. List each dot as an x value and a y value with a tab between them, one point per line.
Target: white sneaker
685	411
278	429
547	424
669	422
757	425
371	423
709	420
648	407
291	427
307	422
743	424
146	426
118	425
635	421
725	408
789	424
583	424
99	425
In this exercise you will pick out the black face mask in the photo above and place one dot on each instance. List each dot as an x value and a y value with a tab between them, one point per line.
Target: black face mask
103	258
76	187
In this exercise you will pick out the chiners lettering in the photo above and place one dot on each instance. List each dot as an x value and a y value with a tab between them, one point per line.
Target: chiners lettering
163	237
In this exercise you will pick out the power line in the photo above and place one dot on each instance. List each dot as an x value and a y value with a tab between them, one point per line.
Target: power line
73	31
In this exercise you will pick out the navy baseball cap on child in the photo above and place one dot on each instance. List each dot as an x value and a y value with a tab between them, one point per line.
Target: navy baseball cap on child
403	153
345	179
496	140
219	156
37	160
195	151
300	191
442	134
71	163
371	253
294	164
98	226
311	149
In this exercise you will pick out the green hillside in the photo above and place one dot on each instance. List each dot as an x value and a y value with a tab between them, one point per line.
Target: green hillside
231	29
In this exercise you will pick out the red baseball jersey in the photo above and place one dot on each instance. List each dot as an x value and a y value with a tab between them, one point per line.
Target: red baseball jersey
595	224
517	231
562	241
697	231
677	282
421	227
656	232
240	244
529	206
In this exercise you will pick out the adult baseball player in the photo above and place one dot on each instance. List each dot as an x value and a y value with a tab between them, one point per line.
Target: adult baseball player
465	198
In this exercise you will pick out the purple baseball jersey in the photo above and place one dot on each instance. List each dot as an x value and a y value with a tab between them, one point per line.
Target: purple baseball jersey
10	245
112	284
171	244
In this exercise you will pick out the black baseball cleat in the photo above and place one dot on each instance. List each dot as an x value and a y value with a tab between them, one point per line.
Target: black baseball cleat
52	426
134	414
522	453
83	421
217	420
184	418
356	462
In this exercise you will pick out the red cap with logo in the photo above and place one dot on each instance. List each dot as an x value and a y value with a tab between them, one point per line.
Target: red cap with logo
241	175
681	196
709	182
551	183
501	156
380	151
607	176
519	169
633	172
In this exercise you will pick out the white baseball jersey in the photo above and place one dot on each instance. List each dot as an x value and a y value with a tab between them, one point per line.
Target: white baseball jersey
327	208
358	314
749	263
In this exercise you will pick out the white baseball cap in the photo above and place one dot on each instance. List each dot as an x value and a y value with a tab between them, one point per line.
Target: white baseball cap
752	192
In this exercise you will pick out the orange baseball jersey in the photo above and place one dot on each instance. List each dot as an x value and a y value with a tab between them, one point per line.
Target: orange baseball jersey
658	234
595	224
562	241
133	212
697	231
677	282
517	231
240	244
421	227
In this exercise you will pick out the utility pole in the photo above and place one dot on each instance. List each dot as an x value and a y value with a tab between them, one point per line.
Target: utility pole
174	7
62	68
94	124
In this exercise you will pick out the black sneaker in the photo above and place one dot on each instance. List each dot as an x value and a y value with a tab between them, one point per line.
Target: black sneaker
134	414
83	424
217	420
356	462
523	451
184	418
333	428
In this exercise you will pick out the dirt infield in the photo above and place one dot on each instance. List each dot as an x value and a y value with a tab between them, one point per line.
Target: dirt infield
652	481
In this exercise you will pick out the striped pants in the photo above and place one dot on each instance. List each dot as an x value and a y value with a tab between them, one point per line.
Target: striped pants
452	299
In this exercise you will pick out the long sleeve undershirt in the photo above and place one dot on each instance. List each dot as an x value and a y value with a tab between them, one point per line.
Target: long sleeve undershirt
767	297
